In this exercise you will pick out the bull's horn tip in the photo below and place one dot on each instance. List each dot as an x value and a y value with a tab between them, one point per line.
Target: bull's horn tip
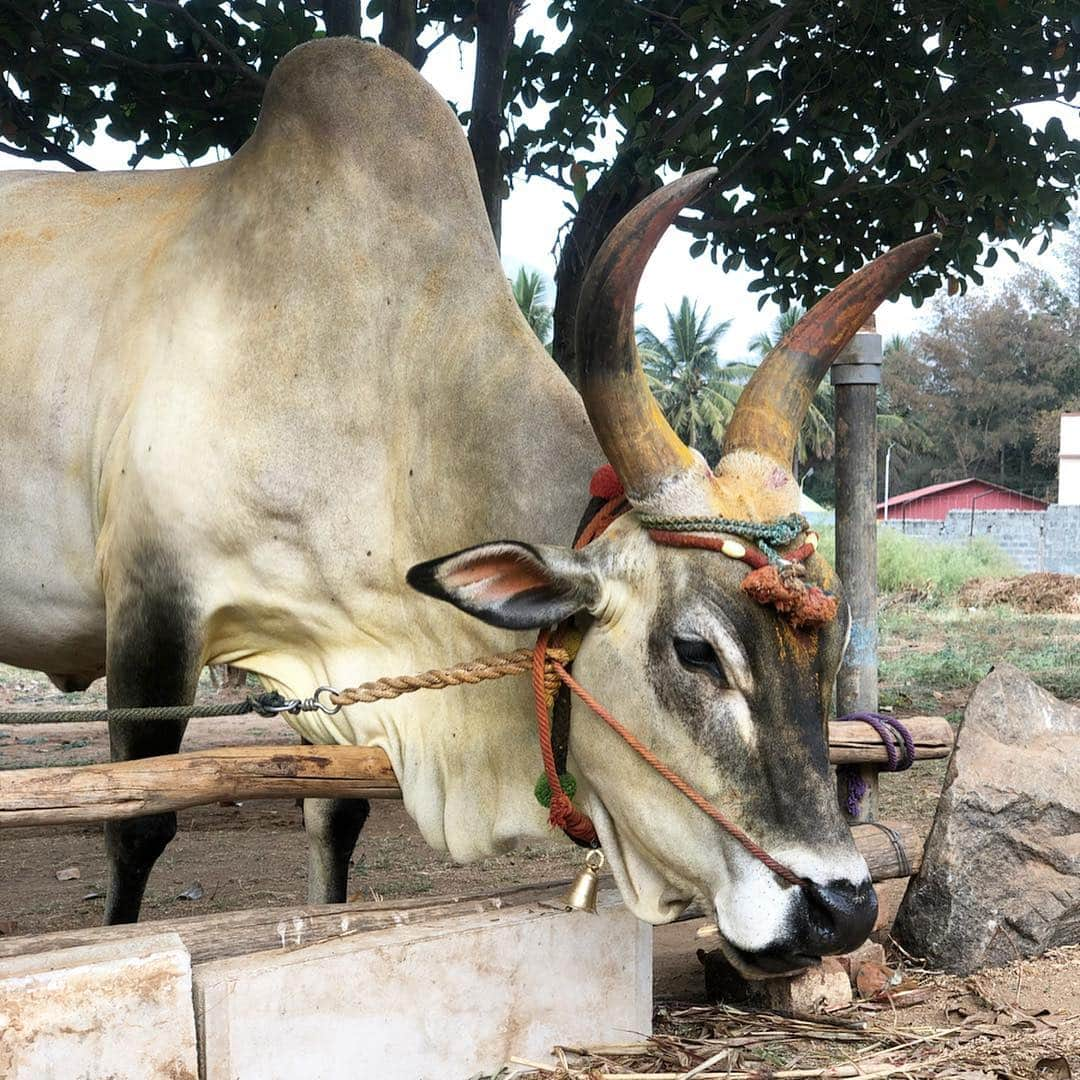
929	240
701	178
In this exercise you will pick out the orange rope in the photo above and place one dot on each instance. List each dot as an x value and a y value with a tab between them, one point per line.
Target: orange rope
672	777
607	513
563	814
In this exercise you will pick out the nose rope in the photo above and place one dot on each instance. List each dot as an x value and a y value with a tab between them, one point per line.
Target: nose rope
563	813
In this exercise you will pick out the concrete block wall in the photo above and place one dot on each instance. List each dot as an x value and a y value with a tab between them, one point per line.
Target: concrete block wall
1035	541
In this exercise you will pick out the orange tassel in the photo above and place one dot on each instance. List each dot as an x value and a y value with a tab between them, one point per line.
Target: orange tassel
802	605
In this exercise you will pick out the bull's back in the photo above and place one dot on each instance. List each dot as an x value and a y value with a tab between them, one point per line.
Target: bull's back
76	252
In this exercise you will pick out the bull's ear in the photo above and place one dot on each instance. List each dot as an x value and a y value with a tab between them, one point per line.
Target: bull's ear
512	585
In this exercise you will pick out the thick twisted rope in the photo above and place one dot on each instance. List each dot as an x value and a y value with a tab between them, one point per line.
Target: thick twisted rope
469	673
893	735
483	668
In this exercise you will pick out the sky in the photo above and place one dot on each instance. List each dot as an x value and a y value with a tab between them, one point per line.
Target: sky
534	213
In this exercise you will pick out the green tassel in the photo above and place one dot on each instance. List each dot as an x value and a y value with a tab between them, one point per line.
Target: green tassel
542	791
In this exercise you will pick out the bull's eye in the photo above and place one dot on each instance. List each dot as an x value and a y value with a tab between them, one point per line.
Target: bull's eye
698	655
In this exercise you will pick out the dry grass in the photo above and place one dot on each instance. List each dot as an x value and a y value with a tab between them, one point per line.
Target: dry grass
974	1030
1055	594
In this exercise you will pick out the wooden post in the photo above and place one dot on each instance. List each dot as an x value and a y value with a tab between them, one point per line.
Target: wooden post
855	377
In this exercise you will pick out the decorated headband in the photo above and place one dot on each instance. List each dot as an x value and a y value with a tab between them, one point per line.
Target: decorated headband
775	578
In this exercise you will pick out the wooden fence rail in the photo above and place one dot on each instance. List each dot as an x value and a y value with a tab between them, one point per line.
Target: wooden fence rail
68	795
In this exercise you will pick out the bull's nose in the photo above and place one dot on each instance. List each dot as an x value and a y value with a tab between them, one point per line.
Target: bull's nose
839	915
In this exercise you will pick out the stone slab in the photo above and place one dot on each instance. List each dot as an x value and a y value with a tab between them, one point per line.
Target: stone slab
121	1010
415	1003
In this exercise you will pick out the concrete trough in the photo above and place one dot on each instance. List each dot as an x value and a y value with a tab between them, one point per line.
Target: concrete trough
451	989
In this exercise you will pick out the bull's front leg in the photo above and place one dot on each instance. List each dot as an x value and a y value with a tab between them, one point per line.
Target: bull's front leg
153	658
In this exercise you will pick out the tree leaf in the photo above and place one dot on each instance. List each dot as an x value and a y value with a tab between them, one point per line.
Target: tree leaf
641	98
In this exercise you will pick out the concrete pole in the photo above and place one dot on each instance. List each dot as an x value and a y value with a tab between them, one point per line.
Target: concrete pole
855	377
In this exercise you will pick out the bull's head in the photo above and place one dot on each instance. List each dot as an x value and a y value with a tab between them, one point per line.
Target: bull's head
725	690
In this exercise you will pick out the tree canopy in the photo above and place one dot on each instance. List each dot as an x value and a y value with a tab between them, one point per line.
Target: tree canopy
987	384
838	129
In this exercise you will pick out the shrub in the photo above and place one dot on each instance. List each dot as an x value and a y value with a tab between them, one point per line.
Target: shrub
905	562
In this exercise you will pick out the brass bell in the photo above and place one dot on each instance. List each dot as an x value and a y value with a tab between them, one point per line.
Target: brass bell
581	895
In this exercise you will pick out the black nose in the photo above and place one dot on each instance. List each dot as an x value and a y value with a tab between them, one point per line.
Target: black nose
824	919
838	916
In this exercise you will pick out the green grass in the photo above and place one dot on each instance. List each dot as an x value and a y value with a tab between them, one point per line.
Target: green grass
948	649
935	569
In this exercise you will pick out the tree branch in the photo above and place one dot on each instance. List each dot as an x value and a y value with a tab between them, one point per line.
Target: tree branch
423	52
219	46
46	148
846	186
779	21
120	60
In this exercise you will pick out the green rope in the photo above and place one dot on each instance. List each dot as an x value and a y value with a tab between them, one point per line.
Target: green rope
767	535
264	704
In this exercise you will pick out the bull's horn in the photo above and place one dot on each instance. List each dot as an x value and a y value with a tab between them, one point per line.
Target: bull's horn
644	451
773	405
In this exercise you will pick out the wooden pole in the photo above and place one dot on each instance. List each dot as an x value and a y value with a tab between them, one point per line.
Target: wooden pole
66	795
129	789
855	377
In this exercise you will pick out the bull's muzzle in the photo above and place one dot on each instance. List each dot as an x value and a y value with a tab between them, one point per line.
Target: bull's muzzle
824	920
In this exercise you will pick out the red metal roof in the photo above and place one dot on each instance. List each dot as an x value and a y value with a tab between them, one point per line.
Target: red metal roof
933	489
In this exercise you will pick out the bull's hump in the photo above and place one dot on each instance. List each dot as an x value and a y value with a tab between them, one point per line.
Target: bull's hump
361	106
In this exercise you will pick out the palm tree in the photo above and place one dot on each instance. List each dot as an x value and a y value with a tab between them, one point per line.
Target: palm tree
767	340
817	438
530	291
695	390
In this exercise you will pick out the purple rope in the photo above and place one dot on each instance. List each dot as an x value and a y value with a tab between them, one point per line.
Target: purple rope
893	735
856	789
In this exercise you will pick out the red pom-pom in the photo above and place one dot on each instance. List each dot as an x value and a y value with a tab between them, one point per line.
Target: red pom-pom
605	484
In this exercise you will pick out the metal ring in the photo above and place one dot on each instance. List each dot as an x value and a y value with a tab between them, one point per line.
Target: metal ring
315	703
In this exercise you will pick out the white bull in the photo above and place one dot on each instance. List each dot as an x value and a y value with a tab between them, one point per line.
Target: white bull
243	400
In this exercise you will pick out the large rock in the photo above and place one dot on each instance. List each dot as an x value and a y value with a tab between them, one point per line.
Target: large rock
1000	875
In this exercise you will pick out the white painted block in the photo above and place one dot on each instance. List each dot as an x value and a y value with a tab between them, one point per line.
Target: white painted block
121	1011
416	1003
1069	459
